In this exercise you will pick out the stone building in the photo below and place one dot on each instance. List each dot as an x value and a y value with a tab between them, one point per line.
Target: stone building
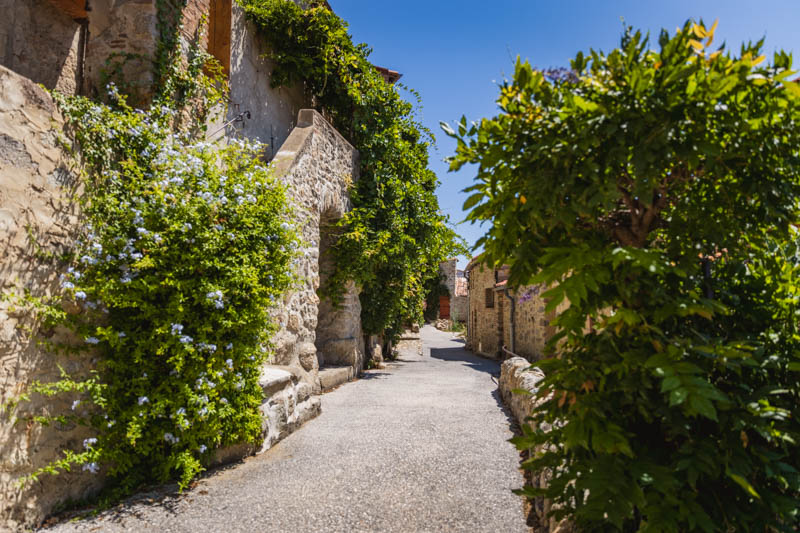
73	46
453	305
500	316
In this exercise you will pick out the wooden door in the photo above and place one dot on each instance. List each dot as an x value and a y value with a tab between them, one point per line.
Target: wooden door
444	307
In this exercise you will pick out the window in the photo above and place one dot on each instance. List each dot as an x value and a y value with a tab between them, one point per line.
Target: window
489	297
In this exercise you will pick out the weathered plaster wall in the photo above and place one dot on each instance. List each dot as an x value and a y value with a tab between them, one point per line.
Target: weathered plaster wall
274	111
40	42
38	186
318	165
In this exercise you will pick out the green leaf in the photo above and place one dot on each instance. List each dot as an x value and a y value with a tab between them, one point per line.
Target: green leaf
742	482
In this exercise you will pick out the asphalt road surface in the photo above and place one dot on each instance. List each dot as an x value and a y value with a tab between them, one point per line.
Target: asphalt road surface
418	446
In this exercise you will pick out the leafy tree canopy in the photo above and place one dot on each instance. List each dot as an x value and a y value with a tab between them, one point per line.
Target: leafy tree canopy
656	190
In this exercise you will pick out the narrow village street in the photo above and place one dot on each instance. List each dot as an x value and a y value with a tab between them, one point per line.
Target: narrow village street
418	446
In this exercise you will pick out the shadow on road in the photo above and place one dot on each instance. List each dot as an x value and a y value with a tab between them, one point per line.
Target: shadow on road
473	361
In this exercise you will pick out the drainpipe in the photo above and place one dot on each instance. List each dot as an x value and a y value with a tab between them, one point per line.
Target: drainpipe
513	321
469	310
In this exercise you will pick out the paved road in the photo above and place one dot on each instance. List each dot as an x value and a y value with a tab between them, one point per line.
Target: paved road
419	446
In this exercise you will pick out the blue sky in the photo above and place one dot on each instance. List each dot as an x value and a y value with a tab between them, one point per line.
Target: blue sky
456	52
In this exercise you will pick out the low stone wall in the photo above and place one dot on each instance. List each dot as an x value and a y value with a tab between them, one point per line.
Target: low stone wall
517	374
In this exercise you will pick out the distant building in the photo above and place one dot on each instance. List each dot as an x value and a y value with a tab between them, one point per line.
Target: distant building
453	305
501	316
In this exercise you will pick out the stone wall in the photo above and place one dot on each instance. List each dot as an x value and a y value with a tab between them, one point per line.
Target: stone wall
485	323
459	308
318	165
448	271
516	373
532	324
41	42
38	219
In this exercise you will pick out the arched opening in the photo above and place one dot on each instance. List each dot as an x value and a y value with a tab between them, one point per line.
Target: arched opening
325	311
338	337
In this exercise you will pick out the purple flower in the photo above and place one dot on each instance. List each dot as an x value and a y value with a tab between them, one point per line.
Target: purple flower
91	467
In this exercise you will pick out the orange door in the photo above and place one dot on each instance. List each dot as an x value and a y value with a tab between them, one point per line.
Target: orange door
444	307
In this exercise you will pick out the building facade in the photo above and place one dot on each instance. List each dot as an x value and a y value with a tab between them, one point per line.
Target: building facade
505	319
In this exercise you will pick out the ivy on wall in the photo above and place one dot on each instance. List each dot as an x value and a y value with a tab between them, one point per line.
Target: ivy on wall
392	241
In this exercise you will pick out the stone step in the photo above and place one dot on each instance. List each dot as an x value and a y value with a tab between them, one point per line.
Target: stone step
331	377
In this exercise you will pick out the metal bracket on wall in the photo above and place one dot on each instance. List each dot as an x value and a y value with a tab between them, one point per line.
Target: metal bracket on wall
241	117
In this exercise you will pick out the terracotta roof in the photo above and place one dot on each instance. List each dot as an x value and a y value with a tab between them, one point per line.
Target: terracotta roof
391	76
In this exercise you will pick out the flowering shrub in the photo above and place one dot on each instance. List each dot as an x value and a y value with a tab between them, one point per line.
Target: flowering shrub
185	251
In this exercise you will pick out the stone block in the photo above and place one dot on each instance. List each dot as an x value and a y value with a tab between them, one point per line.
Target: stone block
273	380
332	377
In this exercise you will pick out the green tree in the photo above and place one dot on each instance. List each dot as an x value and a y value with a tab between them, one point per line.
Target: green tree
657	190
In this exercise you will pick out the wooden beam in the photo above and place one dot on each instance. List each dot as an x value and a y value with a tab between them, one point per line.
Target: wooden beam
76	9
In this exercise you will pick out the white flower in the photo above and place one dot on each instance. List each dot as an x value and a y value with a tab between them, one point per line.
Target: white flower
88	443
169	437
185	339
68	285
142	231
80	295
177	329
91	467
121	335
143	400
229	346
92	340
75	404
181	411
229	362
202	448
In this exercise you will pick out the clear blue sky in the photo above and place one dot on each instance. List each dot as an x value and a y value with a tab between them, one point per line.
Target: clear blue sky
456	52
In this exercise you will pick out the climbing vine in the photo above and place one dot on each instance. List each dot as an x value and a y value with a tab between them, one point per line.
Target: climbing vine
394	238
186	250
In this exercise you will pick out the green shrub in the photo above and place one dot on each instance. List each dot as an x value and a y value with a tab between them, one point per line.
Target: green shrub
658	189
185	252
